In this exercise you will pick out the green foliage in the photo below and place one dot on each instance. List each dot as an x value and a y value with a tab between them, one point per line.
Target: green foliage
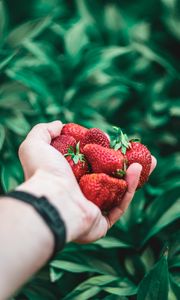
155	283
100	63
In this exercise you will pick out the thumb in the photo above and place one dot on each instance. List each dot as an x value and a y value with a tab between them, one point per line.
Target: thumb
45	131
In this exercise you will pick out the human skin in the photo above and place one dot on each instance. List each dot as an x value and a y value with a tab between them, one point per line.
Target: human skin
26	241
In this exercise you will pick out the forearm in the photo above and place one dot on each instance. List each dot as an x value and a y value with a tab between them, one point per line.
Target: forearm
26	242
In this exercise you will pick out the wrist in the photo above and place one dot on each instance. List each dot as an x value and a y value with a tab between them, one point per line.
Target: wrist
57	191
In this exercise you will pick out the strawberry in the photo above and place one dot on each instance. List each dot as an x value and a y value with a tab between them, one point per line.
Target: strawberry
63	142
134	152
95	136
75	130
104	191
139	153
104	160
77	162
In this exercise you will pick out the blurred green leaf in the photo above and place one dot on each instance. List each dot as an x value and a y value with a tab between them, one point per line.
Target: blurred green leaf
165	214
27	78
55	274
93	265
171	17
71	266
175	284
76	39
18	124
175	262
151	55
90	287
124	288
114	297
79	295
2	136
30	30
39	293
155	283
110	242
10	176
2	18
4	62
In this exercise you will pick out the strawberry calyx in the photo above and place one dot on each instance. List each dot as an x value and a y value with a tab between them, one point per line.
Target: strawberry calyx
75	154
120	173
120	140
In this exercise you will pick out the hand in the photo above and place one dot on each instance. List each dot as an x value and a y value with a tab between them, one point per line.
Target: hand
48	173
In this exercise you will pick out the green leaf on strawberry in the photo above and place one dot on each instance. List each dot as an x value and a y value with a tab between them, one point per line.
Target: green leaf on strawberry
120	140
75	155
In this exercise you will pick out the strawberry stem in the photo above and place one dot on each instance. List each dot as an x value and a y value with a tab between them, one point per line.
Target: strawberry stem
75	154
120	173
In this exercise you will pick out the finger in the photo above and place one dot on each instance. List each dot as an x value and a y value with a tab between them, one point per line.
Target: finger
132	178
153	164
107	136
45	131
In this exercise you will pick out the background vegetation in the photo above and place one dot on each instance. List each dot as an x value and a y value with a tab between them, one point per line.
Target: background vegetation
100	63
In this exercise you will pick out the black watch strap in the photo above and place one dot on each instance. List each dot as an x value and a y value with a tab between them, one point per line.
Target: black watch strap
49	214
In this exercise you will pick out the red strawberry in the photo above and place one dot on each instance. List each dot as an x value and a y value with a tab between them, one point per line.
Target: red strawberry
104	160
134	152
75	130
63	142
77	162
138	153
95	136
104	191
